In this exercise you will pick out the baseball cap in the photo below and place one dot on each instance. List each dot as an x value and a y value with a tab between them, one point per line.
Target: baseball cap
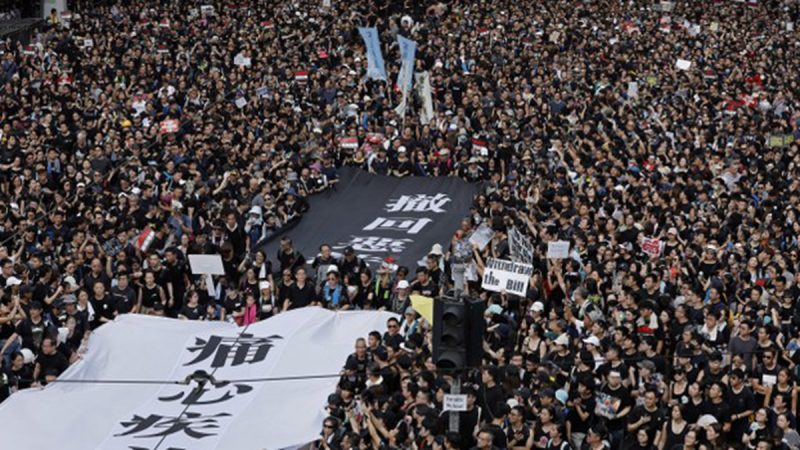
537	307
592	340
402	284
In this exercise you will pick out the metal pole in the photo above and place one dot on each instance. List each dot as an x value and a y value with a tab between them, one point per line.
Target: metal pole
455	389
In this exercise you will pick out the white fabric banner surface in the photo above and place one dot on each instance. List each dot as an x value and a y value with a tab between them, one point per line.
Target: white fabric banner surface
241	414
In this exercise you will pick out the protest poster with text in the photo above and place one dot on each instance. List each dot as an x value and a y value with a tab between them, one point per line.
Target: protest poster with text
500	275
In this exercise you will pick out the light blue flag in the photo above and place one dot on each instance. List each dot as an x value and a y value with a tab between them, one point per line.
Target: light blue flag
376	69
408	50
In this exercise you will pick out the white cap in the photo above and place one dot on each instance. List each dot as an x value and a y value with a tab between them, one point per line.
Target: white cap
436	249
592	340
402	284
562	340
263	285
537	307
333	269
255	210
13	281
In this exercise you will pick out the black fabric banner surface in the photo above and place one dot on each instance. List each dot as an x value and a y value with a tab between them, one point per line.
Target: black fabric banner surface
381	216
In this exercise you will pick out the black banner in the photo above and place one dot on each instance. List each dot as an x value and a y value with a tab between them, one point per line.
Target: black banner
382	216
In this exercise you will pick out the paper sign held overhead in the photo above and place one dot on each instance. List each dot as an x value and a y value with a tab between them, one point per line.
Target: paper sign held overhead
455	402
682	64
481	236
558	250
206	264
500	275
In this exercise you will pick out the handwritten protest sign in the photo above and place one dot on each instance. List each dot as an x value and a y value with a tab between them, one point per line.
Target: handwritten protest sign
512	277
558	250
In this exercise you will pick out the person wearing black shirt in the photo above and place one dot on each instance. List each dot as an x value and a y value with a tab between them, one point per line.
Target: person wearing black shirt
104	306
192	310
351	265
423	284
235	235
124	295
718	407
176	278
621	396
288	257
742	405
301	294
491	394
581	414
32	330
50	362
648	416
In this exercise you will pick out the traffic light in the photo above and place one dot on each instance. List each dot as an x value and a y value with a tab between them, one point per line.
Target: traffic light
458	329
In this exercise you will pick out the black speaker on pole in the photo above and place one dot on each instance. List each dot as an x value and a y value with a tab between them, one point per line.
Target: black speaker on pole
458	329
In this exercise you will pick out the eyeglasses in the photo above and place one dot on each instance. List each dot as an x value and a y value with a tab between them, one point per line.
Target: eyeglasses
327	425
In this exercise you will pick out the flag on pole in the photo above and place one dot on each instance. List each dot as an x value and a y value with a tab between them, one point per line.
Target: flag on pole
423	89
376	69
145	239
405	78
301	75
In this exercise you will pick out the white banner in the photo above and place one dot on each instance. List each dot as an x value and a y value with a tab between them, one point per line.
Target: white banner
303	342
500	275
423	80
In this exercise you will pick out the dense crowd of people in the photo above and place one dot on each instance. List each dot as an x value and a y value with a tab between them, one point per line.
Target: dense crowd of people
134	133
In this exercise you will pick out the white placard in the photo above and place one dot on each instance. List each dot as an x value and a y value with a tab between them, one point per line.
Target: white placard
481	236
206	264
769	380
242	61
455	402
683	64
558	250
633	89
241	102
500	275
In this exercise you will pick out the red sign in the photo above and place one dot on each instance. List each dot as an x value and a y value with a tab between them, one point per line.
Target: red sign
169	126
651	246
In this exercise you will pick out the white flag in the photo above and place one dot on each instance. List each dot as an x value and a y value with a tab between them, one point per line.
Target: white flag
423	81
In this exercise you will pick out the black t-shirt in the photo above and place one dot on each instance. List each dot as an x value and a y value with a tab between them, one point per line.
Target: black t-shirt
192	312
53	364
300	297
624	396
124	298
657	418
578	425
721	411
32	333
105	307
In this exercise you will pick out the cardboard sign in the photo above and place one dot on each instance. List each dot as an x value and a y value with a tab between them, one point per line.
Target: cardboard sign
682	64
512	277
633	89
558	250
207	10
206	264
455	402
242	61
169	126
482	236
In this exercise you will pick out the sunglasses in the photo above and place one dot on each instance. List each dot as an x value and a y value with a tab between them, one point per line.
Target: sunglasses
392	326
